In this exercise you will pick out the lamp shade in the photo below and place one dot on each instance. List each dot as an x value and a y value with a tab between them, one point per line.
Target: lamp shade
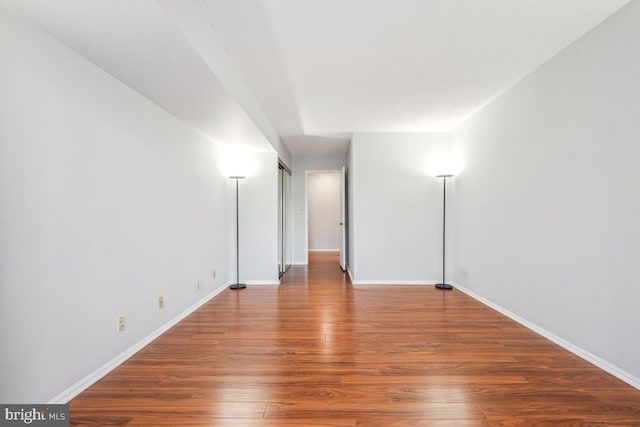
444	164
237	162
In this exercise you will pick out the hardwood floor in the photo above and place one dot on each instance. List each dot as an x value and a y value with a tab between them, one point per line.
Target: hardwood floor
314	351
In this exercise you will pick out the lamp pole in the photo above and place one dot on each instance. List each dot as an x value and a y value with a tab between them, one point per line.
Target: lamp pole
237	285
444	284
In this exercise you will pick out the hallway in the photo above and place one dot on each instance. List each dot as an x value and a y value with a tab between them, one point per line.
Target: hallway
314	351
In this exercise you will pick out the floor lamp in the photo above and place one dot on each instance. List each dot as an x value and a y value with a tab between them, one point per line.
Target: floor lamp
444	284
237	285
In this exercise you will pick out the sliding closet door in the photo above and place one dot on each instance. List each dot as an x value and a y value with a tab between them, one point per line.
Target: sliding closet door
287	220
284	228
281	267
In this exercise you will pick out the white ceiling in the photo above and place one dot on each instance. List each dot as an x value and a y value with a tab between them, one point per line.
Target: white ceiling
326	67
319	69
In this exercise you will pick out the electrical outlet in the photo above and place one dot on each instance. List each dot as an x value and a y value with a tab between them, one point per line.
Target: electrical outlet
121	323
213	274
160	302
198	285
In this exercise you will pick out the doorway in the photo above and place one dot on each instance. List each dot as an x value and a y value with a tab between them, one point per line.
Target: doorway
325	200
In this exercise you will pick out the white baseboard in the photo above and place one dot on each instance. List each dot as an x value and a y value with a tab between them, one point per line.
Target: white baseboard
261	282
324	250
393	282
103	370
617	372
300	263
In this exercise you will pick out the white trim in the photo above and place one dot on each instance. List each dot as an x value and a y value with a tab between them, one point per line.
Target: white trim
300	263
103	370
324	250
260	282
393	282
617	372
349	273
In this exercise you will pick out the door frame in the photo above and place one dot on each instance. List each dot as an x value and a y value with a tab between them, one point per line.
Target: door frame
306	205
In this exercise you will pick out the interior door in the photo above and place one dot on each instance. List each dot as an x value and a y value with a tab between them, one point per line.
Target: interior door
343	220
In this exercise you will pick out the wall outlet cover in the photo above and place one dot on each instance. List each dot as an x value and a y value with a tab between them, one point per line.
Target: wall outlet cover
121	323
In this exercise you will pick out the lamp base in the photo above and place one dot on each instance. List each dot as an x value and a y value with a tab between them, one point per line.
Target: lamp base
443	286
238	286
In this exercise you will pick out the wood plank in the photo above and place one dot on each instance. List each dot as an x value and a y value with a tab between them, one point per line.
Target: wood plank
392	421
360	408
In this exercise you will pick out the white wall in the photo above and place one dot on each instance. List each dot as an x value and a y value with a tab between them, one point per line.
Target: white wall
106	203
258	222
547	209
301	164
323	204
395	208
